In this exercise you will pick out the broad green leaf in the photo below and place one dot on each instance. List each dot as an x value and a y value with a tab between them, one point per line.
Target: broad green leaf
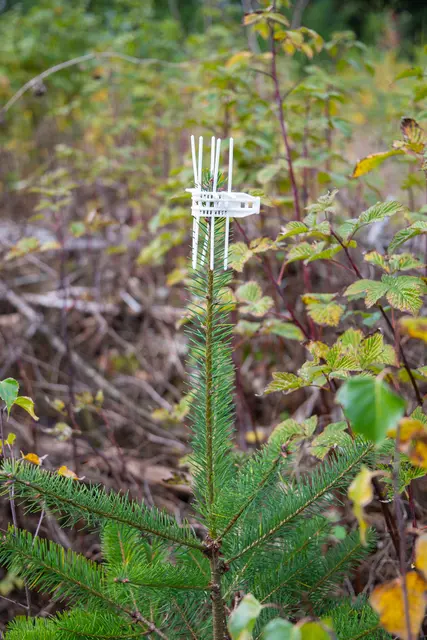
402	236
284	382
261	245
279	629
413	72
333	436
324	204
293	228
380	211
300	251
243	619
9	392
249	292
258	308
315	631
377	259
404	262
405	292
325	254
286	330
292	432
246	328
239	254
373	161
372	290
27	404
78	229
371	406
23	247
322	309
10	439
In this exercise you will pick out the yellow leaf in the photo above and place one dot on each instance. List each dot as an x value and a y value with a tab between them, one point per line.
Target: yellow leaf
256	436
421	554
413	441
240	56
414	327
100	96
67	473
387	601
372	161
361	493
27	404
32	457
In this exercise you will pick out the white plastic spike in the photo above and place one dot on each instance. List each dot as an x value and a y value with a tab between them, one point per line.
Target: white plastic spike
227	219
227	238
216	166
193	155
195	240
230	165
199	171
212	155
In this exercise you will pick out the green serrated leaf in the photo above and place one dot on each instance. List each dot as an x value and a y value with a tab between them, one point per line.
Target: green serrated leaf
283	329
239	254
249	292
284	382
334	435
402	236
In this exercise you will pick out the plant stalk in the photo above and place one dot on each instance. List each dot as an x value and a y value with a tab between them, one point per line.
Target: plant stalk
208	399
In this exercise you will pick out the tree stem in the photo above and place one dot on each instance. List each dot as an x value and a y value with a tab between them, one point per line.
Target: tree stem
208	399
218	613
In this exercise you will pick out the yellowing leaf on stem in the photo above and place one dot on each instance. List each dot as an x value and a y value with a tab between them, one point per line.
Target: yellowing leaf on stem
361	493
414	327
27	404
238	58
413	441
68	473
32	457
373	161
388	601
421	554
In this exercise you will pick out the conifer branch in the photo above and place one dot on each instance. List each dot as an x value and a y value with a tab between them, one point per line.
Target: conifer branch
33	561
312	499
185	620
249	501
295	553
366	633
87	501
